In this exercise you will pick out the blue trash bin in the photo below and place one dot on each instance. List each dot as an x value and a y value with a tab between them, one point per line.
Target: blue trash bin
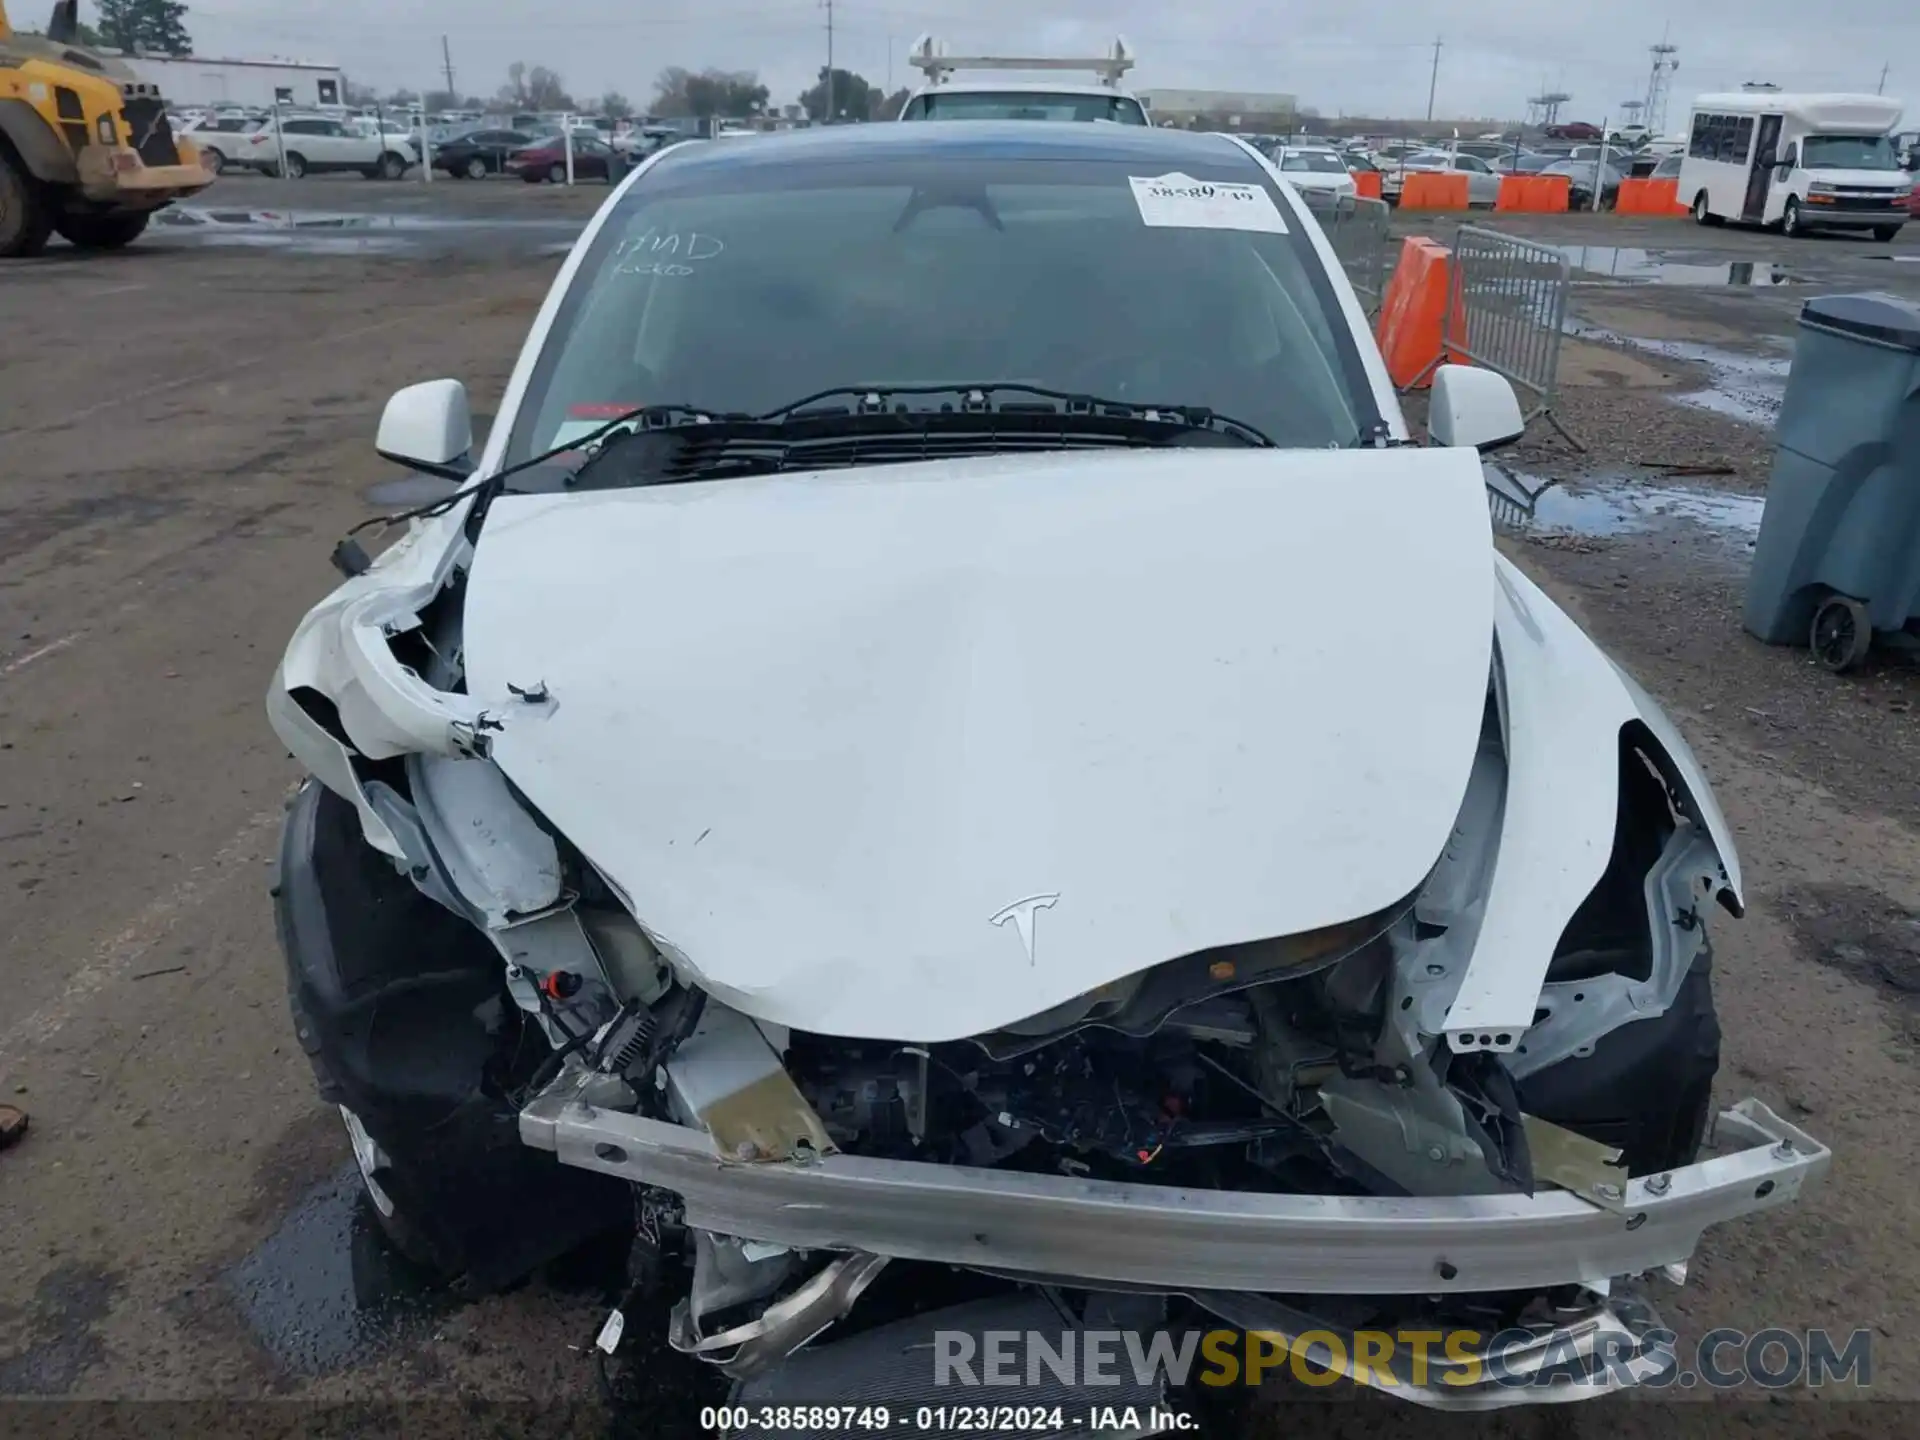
1838	557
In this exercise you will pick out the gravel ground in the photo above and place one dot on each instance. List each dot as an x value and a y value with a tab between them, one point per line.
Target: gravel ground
177	1227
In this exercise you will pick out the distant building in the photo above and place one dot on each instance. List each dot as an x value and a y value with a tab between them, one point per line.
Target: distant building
192	80
1228	109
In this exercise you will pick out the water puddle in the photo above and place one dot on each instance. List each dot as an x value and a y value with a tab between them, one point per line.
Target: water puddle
1742	386
325	1289
1654	267
326	232
192	216
1618	505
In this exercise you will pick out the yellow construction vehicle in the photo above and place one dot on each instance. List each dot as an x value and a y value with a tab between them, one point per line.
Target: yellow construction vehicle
85	148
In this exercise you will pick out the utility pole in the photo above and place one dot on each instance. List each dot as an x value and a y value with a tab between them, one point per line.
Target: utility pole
1882	88
829	115
446	69
1433	84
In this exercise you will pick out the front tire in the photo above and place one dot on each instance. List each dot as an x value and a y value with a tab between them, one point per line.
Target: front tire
375	1175
476	169
296	165
102	232
25	222
212	161
392	166
1790	223
557	174
1701	214
400	1009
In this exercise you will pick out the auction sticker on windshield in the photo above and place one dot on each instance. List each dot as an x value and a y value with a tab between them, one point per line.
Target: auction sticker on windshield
1184	203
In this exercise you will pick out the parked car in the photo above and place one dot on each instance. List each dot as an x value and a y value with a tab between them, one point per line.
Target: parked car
1667	169
481	153
221	139
1315	169
1574	130
546	159
1483	182
1350	1012
1913	203
1492	151
1527	162
1581	179
316	145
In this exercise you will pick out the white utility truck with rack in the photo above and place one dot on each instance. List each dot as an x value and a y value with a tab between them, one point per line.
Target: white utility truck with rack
944	98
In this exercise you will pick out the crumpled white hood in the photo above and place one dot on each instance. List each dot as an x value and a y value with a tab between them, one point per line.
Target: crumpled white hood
822	729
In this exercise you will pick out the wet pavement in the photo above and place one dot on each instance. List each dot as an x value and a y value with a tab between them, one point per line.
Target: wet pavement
1631	265
326	1290
1747	384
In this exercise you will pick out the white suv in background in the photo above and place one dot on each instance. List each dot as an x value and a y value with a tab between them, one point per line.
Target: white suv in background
220	139
1314	170
315	144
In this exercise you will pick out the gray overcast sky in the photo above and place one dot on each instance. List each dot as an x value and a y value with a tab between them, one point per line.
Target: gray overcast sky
1356	56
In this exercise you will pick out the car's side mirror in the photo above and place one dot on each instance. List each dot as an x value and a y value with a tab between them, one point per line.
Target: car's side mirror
1471	407
428	427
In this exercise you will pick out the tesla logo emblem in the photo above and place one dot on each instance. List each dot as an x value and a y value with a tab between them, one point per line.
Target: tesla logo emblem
1022	913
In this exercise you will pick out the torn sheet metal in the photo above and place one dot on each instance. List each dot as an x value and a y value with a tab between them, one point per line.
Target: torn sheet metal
728	1077
1573	1162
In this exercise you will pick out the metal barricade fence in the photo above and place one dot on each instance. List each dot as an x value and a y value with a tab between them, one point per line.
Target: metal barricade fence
1507	313
1356	227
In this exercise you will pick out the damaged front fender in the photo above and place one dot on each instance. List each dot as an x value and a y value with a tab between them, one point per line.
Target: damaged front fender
1564	707
341	696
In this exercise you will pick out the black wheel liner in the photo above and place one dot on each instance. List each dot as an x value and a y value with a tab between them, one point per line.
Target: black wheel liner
1647	1088
384	986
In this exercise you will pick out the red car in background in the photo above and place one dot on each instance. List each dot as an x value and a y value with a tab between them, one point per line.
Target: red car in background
546	159
1574	130
1913	202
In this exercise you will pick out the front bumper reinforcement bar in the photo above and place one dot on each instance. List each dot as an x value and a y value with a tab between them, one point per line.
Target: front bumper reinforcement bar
1177	1239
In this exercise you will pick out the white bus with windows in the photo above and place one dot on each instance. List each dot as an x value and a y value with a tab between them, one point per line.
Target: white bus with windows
1795	162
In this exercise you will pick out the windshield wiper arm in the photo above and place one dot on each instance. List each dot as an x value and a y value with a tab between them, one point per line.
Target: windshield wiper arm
987	399
351	559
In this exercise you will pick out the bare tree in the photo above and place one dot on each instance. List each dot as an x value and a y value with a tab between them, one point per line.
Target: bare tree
546	90
734	94
514	92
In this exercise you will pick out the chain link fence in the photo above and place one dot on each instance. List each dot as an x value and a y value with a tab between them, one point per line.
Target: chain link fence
1508	312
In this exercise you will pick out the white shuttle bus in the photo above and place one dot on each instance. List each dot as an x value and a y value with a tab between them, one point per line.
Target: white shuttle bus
1796	162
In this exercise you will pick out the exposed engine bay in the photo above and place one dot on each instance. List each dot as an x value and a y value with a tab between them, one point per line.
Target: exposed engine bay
1223	1094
